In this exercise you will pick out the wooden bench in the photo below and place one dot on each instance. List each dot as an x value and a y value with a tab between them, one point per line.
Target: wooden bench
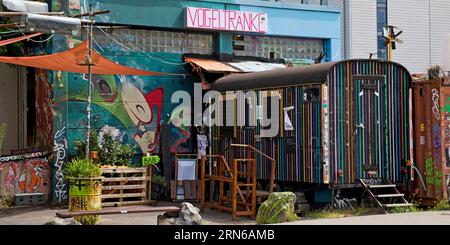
120	210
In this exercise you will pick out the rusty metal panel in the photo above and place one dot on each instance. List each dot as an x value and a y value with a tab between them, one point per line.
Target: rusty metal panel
432	137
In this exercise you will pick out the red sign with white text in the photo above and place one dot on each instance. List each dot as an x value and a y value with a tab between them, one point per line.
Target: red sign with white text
228	20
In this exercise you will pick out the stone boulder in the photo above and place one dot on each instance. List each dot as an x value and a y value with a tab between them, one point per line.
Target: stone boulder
278	208
61	221
189	215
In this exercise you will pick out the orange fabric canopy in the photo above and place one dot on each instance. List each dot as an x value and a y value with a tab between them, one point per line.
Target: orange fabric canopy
18	39
76	60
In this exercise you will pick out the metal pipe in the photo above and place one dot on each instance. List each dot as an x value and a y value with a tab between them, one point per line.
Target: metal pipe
9	14
420	177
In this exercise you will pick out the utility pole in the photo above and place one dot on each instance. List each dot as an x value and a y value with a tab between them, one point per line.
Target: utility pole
89	96
90	35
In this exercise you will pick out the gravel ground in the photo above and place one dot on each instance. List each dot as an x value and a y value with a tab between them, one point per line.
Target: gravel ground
39	215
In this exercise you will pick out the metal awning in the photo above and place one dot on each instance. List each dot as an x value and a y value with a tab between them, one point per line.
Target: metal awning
255	66
211	65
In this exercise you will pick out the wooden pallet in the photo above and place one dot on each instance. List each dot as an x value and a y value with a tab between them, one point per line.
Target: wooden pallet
124	186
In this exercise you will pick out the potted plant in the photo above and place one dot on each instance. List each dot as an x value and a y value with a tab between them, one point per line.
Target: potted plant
85	188
94	146
125	154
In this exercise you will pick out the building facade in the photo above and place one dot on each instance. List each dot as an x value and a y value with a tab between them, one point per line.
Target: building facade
424	25
157	35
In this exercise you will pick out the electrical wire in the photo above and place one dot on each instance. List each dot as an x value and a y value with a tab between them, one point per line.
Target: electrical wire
139	51
36	41
172	74
9	32
98	45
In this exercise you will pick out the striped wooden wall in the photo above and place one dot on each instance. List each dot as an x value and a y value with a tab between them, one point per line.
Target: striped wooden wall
299	152
386	114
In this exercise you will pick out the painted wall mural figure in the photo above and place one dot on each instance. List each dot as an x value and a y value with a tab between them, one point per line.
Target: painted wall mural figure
140	109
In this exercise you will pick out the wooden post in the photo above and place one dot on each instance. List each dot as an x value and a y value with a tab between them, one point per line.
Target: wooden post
202	178
149	183
122	183
221	185
233	191
253	171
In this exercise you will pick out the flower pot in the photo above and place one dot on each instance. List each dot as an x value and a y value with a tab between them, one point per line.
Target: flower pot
93	155
85	194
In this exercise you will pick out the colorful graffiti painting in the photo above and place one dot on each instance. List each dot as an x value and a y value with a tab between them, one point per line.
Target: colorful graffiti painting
44	112
59	153
25	176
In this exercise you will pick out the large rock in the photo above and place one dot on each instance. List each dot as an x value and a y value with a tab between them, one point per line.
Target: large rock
277	209
189	215
60	221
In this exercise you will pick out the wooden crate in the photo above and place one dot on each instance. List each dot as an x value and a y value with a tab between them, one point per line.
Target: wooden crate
124	186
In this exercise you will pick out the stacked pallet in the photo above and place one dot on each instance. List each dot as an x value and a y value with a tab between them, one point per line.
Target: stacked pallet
124	186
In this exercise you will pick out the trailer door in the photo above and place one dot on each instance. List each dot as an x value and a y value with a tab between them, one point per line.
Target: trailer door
369	125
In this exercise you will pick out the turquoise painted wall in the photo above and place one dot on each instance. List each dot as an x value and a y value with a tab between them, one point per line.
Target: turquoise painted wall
137	105
292	20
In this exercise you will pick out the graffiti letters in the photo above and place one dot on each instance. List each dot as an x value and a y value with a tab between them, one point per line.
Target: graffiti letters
59	152
78	202
437	144
435	99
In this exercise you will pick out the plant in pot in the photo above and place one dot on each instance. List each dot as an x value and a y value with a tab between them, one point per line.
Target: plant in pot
85	188
94	146
125	154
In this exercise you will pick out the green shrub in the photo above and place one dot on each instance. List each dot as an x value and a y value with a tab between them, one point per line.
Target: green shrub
410	209
82	168
115	153
93	141
442	205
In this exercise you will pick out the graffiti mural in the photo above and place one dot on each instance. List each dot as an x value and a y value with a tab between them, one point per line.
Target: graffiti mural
135	105
25	176
435	99
180	135
59	155
44	112
140	109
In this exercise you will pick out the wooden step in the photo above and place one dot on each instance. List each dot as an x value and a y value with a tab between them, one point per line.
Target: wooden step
381	186
123	203
122	170
390	195
391	205
123	179
140	194
245	184
122	187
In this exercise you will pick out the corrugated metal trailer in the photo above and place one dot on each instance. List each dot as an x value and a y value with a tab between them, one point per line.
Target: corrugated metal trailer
351	119
432	138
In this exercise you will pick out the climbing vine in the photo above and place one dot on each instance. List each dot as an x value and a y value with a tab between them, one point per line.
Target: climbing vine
433	175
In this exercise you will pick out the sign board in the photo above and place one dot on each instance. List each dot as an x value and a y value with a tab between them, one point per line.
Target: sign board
226	20
150	160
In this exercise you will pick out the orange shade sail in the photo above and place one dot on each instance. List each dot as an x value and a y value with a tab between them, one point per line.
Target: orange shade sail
18	39
76	60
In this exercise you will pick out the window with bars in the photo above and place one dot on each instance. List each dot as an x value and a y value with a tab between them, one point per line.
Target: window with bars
159	41
277	47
